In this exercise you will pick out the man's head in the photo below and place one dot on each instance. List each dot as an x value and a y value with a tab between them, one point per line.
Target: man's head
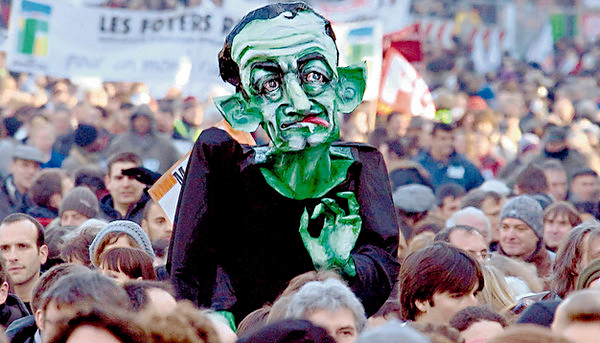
585	186
142	120
449	197
521	222
24	166
442	141
331	305
155	222
79	205
466	238
532	180
478	322
47	188
555	139
472	217
578	316
436	282
490	203
22	247
556	176
125	190
282	59
73	293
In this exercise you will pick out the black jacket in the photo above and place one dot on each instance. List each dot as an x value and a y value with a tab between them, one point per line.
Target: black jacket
22	330
135	213
12	310
229	217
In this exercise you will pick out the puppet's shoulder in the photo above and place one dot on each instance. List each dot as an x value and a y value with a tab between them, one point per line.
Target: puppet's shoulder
358	150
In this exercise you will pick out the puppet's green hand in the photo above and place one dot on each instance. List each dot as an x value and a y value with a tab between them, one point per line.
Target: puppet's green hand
331	250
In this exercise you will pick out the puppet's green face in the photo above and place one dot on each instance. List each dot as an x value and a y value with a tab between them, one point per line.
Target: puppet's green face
289	75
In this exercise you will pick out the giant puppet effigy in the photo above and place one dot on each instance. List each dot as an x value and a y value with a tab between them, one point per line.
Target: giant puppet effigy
251	218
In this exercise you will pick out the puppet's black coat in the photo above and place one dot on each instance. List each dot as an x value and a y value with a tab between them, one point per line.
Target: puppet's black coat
229	216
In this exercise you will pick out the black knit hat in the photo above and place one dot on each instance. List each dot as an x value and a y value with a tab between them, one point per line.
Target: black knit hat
85	135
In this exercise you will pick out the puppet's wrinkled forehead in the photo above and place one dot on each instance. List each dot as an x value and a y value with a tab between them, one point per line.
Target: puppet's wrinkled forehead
284	34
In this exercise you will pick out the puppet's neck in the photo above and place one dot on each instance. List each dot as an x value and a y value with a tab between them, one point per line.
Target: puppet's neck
309	173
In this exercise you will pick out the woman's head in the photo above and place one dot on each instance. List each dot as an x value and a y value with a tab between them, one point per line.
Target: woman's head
119	233
125	264
559	218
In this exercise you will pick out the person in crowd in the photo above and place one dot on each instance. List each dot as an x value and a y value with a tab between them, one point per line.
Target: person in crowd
149	295
42	136
156	151
101	325
584	187
73	293
124	264
331	305
559	218
25	330
521	233
119	233
303	178
289	331
478	323
14	189
11	307
589	276
556	176
444	164
577	318
580	247
413	203
466	238
155	223
46	194
473	217
532	182
490	203
91	177
24	251
436	282
87	149
392	331
527	149
496	294
188	127
449	199
76	248
78	205
126	198
555	146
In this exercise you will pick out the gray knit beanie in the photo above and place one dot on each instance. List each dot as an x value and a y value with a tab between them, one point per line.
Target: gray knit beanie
526	209
82	200
126	226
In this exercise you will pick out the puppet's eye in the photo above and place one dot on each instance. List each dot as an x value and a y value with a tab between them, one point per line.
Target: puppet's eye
270	85
314	76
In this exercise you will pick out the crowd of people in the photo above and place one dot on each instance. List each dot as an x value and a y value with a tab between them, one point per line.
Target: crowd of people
496	200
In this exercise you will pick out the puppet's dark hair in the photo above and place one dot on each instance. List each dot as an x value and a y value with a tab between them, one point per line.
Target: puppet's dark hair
227	67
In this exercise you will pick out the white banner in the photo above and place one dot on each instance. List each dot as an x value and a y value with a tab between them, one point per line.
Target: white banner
165	48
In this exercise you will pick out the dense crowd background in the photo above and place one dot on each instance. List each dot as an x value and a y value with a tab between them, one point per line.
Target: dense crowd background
519	143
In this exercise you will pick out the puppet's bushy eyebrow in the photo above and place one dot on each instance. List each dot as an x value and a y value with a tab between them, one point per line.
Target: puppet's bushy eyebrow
266	65
310	57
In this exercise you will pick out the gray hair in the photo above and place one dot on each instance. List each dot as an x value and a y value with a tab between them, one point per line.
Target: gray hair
392	332
330	295
470	211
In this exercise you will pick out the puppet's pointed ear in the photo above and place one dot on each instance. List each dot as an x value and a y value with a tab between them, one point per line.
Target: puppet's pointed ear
351	86
238	113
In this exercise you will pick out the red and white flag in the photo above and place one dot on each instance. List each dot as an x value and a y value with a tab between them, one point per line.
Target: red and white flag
402	88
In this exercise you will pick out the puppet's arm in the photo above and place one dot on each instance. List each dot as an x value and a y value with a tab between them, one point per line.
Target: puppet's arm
331	250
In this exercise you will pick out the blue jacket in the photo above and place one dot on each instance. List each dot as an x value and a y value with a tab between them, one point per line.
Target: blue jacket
457	170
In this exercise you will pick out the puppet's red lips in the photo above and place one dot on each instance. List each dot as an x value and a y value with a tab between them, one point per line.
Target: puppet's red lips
311	118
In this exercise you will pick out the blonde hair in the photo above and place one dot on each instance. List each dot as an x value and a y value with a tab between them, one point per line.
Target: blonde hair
495	293
420	241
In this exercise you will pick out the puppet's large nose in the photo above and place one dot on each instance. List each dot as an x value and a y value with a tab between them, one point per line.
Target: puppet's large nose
298	99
